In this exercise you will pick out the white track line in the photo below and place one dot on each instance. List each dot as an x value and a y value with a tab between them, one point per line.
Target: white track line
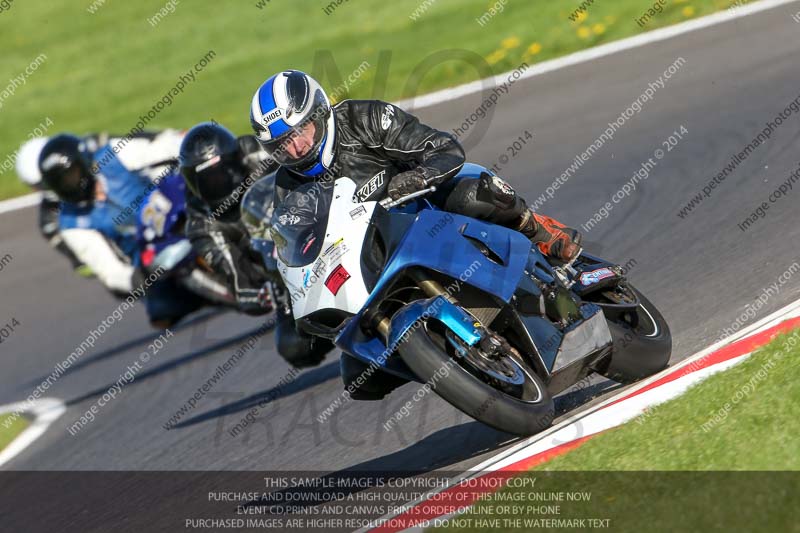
594	53
789	311
45	411
591	425
20	202
453	93
560	431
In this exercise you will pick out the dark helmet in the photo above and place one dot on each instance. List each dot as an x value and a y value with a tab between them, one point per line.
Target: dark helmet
65	166
211	163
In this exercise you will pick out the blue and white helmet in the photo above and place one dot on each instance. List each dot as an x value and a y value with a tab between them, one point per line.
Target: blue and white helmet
285	104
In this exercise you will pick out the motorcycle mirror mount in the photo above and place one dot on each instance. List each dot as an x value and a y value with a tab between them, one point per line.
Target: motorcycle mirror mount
567	273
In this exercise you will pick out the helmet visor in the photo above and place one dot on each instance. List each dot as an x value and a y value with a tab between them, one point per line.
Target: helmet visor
71	181
216	179
301	144
217	182
73	185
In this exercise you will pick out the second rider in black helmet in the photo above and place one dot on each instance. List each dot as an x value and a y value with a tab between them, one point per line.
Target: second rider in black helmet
219	168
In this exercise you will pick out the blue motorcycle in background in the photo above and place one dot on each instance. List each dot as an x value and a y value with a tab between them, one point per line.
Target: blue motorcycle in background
184	285
471	308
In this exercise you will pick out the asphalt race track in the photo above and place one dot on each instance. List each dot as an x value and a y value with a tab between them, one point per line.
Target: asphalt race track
701	271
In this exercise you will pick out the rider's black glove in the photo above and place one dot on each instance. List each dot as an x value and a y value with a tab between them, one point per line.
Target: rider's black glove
254	158
406	183
137	278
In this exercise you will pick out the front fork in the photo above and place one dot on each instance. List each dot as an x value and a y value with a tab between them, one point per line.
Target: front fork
430	287
461	323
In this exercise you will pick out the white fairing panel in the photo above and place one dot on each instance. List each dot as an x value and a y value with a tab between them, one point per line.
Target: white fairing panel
333	280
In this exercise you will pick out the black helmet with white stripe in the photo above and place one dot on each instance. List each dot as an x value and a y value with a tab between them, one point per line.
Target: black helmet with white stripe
211	163
65	165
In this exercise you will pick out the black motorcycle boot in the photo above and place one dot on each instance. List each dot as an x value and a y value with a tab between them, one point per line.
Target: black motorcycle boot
297	348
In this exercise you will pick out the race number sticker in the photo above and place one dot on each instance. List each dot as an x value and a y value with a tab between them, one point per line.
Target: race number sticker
154	214
337	278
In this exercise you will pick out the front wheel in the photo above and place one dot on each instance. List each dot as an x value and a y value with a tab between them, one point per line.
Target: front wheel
502	392
642	342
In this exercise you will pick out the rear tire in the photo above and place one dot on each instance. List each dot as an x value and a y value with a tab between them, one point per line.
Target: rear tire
642	351
473	396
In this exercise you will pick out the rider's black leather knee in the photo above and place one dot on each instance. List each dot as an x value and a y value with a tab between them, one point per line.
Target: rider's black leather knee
486	198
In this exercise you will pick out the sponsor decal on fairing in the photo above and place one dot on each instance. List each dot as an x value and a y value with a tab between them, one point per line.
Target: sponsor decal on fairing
338	277
594	276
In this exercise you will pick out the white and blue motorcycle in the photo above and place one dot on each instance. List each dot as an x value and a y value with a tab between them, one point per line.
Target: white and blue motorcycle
410	290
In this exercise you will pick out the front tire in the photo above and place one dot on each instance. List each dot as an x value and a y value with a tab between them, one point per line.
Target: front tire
642	347
475	397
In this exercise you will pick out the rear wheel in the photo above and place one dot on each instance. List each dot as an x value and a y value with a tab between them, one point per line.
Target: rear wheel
500	390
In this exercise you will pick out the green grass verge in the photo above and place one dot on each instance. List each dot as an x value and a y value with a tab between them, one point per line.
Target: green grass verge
103	70
7	434
688	464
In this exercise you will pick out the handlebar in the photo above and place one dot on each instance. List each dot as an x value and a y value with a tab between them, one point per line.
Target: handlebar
388	203
568	266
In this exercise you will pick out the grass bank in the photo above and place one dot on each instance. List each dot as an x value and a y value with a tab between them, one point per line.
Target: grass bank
103	64
15	427
722	457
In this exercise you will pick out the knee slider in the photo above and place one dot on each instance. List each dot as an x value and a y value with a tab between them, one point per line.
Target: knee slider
496	191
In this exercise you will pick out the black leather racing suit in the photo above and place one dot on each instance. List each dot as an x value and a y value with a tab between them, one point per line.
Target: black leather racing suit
375	141
221	241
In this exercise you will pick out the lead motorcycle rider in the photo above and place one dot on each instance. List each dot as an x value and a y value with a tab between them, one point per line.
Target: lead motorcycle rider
219	168
386	152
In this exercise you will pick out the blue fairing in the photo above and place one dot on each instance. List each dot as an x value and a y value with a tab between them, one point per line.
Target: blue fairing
157	220
450	244
455	318
499	262
449	250
443	242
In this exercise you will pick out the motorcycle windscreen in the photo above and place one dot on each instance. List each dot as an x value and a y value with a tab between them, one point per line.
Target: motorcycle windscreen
299	224
257	208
